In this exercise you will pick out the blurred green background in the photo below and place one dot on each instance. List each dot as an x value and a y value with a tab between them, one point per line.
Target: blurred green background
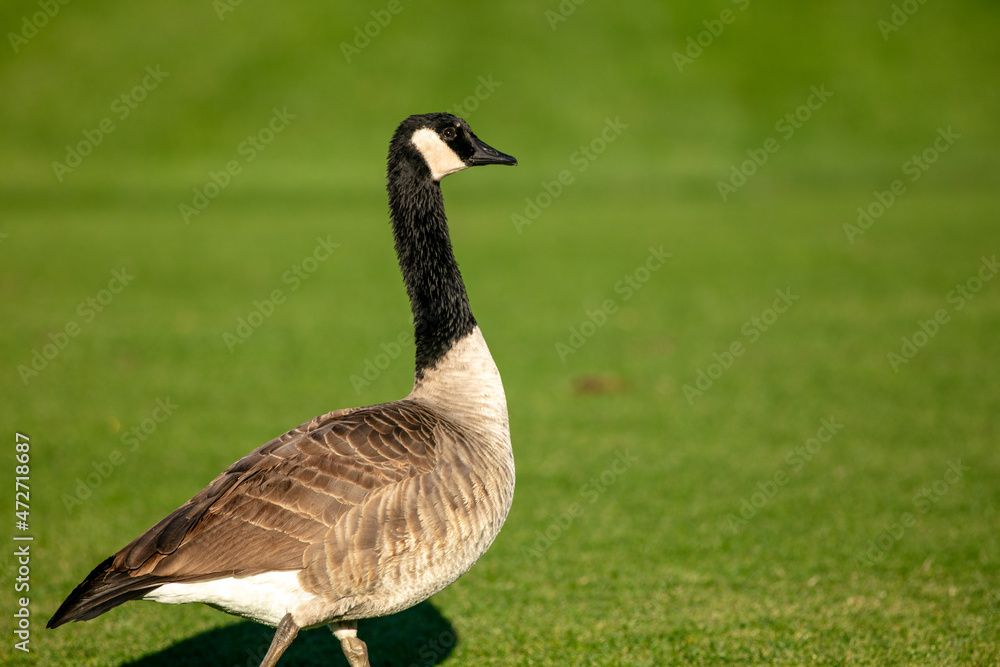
675	505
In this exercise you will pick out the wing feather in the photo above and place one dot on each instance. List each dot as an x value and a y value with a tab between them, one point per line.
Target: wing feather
276	508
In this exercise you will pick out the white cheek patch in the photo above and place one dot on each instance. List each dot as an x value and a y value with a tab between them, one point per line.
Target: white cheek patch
439	157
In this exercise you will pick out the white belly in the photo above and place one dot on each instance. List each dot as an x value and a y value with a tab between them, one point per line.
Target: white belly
265	598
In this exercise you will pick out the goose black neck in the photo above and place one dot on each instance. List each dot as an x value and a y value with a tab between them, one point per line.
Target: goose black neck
440	304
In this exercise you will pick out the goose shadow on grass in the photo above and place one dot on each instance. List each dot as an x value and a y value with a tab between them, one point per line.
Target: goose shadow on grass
416	637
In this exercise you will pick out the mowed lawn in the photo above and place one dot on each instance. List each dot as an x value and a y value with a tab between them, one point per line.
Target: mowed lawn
752	424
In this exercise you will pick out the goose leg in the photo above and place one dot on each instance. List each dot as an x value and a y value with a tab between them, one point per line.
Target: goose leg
283	638
354	649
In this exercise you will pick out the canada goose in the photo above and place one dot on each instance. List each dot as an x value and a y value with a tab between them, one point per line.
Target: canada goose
361	512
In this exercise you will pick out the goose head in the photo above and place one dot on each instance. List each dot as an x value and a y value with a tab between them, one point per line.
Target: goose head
442	144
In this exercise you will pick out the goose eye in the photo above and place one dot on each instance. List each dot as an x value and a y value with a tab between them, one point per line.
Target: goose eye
449	133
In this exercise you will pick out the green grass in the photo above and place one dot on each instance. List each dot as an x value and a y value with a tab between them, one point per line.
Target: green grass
626	544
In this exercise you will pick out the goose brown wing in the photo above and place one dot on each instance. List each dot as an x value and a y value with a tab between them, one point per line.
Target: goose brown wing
264	512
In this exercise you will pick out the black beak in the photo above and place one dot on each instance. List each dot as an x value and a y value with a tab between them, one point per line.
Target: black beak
484	154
